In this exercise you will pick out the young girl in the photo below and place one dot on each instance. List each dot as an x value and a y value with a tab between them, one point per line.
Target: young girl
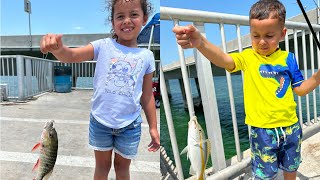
123	79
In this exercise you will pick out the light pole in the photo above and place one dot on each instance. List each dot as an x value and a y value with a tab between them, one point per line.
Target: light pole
27	8
318	10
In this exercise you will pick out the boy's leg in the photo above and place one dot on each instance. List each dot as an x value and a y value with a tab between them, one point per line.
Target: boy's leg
264	150
121	167
289	175
290	156
103	164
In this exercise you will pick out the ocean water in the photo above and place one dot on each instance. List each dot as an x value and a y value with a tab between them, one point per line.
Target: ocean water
181	117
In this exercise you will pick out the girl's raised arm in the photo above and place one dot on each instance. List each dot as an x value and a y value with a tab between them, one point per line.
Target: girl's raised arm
53	43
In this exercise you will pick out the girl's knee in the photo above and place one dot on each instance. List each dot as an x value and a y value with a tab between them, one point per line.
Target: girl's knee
121	164
103	167
103	160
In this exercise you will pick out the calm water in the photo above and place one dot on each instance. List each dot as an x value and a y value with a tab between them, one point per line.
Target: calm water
181	117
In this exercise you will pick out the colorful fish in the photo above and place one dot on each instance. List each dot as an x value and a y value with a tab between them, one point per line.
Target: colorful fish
48	151
198	149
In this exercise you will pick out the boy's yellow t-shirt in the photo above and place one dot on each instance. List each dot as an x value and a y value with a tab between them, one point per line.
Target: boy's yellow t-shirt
268	83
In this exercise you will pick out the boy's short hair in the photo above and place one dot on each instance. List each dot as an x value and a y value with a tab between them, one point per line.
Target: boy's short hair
264	9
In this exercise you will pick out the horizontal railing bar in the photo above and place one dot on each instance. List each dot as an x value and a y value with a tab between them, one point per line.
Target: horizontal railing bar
168	13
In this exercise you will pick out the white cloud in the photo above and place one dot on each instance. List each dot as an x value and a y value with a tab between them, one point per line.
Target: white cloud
78	28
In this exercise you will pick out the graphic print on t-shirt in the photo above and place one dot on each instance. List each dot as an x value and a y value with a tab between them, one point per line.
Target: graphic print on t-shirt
122	75
280	74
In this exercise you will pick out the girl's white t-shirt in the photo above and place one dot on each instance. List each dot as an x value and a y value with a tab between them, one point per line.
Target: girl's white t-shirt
118	81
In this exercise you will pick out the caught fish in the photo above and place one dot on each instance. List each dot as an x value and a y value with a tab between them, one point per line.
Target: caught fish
48	151
198	149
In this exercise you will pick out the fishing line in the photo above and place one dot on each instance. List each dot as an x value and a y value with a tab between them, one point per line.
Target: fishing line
309	24
44	56
187	65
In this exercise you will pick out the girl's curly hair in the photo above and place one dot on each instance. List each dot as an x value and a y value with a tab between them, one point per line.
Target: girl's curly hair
146	7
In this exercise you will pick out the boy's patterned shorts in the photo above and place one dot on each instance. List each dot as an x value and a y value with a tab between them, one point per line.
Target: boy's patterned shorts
275	148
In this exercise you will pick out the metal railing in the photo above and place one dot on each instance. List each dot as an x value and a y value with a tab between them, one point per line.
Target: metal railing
206	83
82	73
26	76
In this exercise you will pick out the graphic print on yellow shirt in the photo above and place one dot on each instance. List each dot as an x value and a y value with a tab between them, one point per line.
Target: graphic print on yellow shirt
268	83
279	74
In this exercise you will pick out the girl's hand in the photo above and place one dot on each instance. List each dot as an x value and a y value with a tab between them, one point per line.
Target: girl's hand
51	43
187	36
155	141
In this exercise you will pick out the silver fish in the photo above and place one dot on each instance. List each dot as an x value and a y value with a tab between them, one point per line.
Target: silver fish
48	151
198	149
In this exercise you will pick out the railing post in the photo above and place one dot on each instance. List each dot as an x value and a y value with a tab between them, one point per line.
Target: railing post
312	70
28	76
50	75
296	52
167	110
20	74
305	69
185	77
210	107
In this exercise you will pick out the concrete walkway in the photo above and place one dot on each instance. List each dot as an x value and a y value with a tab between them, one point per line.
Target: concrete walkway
21	126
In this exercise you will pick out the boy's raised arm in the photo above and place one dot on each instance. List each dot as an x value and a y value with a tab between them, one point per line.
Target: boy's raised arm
308	85
53	43
190	37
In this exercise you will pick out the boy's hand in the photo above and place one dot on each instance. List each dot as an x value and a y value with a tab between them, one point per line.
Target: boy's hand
155	141
51	43
187	36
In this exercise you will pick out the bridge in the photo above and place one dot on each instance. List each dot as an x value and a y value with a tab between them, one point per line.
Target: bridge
173	70
12	45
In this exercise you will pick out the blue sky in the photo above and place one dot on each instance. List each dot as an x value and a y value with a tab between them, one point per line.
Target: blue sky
56	16
86	17
168	46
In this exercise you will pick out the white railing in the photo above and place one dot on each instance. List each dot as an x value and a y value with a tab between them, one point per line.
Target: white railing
26	76
206	83
82	73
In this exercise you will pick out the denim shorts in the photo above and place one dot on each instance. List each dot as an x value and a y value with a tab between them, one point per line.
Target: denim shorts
275	148
123	141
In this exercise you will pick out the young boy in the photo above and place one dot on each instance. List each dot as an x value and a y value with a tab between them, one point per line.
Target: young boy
270	77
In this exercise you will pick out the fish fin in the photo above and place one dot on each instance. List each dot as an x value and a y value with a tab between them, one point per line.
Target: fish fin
36	146
36	165
192	171
46	177
185	150
202	142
